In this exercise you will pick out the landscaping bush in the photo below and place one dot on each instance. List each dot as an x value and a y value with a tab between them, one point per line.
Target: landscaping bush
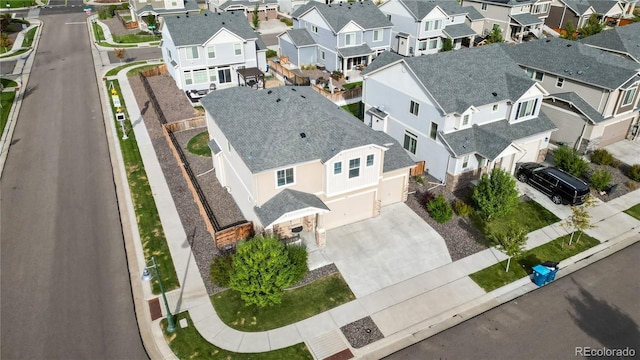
419	179
615	163
286	21
569	160
632	185
600	179
440	210
427	197
298	256
462	208
271	53
634	172
220	270
104	13
496	194
601	157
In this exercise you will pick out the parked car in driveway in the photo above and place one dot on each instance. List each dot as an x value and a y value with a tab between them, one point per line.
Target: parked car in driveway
561	187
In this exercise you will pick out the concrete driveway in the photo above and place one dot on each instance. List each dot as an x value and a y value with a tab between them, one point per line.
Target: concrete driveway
379	252
626	151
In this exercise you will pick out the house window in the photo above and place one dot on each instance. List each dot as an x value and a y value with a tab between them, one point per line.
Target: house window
434	131
465	120
237	49
539	9
213	74
188	79
377	35
314	29
422	45
437	25
530	72
200	76
349	39
354	168
370	160
628	96
495	108
322	54
526	108
192	52
414	108
433	44
224	76
211	52
483	163
539	76
389	17
337	168
284	177
465	161
560	82
484	7
410	142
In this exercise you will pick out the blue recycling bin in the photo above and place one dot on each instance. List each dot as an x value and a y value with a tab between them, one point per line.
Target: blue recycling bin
540	274
552	274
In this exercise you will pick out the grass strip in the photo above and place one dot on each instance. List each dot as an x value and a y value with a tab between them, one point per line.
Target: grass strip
495	276
187	343
116	70
352	85
135	38
634	211
7	83
152	235
6	100
297	304
28	37
14	4
354	109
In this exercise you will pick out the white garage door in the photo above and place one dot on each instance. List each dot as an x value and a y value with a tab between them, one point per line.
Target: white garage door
349	210
615	132
531	151
391	190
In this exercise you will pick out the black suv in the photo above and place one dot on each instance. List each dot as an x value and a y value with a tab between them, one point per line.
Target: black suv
557	184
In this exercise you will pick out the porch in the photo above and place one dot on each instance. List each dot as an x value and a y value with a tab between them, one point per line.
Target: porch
525	27
355	58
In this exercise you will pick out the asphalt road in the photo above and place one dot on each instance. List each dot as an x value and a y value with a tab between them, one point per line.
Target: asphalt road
595	307
64	278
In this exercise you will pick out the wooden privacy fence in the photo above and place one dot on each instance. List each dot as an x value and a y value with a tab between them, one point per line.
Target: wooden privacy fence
154	71
188	124
234	233
418	169
338	96
290	77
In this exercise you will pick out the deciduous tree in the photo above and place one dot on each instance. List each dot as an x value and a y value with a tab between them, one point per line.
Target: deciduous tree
511	241
496	194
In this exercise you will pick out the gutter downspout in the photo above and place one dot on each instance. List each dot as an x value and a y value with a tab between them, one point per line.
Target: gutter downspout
579	143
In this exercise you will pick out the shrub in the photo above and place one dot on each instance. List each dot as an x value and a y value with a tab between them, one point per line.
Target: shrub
440	210
286	21
462	208
632	185
104	13
427	197
615	163
634	172
496	194
601	157
419	179
271	53
600	179
569	160
220	270
298	256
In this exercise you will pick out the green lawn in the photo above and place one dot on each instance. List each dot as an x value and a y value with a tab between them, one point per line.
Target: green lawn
6	100
136	71
495	276
152	235
28	37
352	85
16	53
297	304
529	214
98	33
199	144
634	211
14	4
116	70
354	109
135	38
188	344
6	83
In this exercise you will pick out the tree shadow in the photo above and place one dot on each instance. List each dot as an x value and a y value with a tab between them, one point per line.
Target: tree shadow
528	262
146	107
29	90
604	322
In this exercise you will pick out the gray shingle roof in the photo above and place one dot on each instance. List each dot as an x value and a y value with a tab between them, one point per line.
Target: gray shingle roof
158	8
284	202
491	139
624	39
574	60
472	13
506	2
365	13
578	7
215	148
526	19
577	102
458	31
264	127
352	51
419	8
601	6
301	37
196	29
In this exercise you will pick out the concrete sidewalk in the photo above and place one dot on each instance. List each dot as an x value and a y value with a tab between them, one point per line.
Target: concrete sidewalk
405	312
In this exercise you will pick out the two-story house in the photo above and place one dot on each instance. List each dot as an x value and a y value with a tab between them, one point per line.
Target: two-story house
205	51
266	9
593	94
462	112
515	18
579	11
421	26
340	37
141	9
295	161
621	40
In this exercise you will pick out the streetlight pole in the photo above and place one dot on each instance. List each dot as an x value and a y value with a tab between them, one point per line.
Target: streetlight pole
147	276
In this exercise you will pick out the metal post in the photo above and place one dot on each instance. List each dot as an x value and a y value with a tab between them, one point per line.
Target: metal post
171	325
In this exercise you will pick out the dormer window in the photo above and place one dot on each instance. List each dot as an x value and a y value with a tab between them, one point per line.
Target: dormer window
465	119
237	48
314	29
349	39
484	6
526	108
284	177
628	96
433	25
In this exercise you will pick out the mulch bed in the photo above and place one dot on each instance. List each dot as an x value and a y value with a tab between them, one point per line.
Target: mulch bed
362	332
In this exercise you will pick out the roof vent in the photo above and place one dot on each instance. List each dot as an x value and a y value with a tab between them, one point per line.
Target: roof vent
566	70
186	15
494	93
303	135
178	17
548	40
568	45
205	14
219	13
293	89
570	72
223	23
269	92
580	72
302	96
278	100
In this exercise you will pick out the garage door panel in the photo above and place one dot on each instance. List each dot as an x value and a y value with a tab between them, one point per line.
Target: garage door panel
349	210
615	132
391	190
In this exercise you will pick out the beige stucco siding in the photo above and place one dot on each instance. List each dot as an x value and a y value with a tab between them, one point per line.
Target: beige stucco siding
307	178
392	188
349	209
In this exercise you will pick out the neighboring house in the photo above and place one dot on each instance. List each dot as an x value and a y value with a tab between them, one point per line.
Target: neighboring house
292	159
516	19
593	96
206	50
140	9
267	9
622	40
420	26
339	37
462	112
579	11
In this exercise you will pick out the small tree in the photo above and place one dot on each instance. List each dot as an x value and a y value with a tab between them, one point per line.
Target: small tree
120	53
496	35
261	271
580	219
255	19
511	242
496	194
592	27
570	30
447	45
600	179
570	160
440	209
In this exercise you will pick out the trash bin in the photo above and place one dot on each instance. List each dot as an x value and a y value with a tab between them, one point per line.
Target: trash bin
540	274
553	269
